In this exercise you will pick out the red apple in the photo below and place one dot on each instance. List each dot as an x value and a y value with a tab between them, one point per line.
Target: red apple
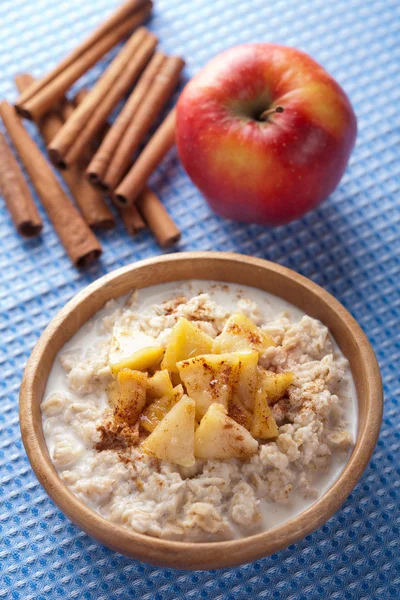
266	169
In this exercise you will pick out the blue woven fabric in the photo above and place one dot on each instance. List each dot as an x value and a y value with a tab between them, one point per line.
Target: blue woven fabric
350	246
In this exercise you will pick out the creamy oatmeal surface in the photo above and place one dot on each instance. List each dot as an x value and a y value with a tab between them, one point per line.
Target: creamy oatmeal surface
100	452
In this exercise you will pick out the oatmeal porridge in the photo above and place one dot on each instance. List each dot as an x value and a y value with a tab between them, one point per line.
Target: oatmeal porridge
199	411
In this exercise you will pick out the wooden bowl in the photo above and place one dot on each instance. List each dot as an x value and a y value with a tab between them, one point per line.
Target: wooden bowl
233	268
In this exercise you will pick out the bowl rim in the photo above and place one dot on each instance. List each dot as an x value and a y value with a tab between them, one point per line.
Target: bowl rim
200	555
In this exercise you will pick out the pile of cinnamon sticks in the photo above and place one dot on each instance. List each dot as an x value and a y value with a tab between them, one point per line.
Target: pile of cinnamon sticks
94	158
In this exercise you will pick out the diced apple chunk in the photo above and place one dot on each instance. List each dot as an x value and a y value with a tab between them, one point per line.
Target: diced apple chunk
263	425
240	333
209	378
241	402
133	349
186	341
156	411
275	384
246	386
173	438
160	385
239	413
141	360
220	437
175	378
271	387
127	395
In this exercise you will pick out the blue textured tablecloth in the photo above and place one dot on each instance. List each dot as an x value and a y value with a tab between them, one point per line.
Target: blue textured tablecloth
350	246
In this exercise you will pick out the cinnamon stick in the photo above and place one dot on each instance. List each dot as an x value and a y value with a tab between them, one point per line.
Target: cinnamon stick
79	118
124	11
135	180
98	138
44	94
132	220
89	200
98	165
50	123
115	94
130	216
79	242
155	215
16	194
164	83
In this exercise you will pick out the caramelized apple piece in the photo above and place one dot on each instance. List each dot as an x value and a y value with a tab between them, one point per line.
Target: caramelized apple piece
239	413
160	385
246	386
175	379
241	402
263	425
240	333
220	437
275	384
173	438
186	341
141	360
271	387
127	395
133	349
156	411
209	378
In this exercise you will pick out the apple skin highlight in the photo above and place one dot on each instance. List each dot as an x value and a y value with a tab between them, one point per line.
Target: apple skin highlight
267	172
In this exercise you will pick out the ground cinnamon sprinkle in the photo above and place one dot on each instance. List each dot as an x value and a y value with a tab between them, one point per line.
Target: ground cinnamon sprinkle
237	414
252	337
170	306
125	459
201	314
139	484
117	436
283	404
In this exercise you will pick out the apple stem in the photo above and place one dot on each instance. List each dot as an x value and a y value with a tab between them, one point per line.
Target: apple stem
271	111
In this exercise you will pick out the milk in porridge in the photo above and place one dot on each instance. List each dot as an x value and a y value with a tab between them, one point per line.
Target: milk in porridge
264	422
